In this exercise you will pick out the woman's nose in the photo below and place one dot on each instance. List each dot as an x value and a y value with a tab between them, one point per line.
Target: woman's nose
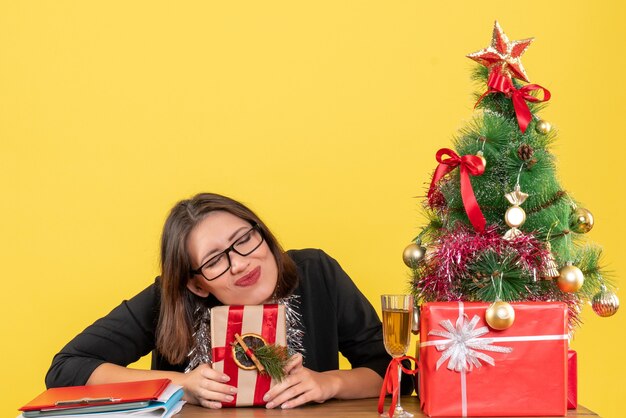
238	263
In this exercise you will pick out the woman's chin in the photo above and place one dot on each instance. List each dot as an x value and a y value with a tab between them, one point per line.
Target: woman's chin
258	298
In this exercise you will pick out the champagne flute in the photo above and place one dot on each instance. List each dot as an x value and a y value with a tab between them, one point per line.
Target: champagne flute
397	315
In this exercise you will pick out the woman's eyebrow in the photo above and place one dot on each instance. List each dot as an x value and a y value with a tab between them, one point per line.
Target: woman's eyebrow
232	236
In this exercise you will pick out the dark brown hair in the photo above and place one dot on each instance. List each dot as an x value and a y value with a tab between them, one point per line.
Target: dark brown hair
175	326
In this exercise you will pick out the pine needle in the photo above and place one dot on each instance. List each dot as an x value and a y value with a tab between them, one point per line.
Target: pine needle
273	358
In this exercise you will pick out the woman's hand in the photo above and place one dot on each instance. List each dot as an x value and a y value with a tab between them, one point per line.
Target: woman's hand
207	387
301	385
202	386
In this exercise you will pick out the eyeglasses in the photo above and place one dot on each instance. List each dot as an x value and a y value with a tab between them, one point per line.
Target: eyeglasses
219	264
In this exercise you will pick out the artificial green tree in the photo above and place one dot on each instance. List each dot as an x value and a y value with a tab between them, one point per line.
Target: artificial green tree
500	224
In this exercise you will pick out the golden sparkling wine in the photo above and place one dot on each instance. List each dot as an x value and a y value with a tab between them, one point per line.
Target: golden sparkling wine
396	331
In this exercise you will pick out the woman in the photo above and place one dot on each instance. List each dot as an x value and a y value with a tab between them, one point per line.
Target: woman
216	251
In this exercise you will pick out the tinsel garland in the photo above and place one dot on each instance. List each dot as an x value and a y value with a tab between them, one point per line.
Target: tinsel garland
451	254
460	262
295	327
201	350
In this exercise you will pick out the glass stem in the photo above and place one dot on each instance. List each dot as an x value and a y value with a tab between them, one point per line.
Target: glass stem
398	406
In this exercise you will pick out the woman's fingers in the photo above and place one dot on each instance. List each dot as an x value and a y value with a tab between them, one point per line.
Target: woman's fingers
296	389
278	394
297	401
294	362
207	387
221	395
210	373
284	396
210	404
291	369
301	386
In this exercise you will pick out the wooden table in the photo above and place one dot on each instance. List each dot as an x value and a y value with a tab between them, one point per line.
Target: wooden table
329	409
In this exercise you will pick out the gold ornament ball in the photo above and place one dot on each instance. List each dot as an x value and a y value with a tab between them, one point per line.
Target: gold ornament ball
581	221
515	216
605	303
480	155
415	323
500	315
570	279
413	254
543	127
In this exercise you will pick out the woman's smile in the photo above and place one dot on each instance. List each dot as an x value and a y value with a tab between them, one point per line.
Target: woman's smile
250	278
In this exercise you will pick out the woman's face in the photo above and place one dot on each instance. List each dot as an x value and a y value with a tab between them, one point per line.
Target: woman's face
250	280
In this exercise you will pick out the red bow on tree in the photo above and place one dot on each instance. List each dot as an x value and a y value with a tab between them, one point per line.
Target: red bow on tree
469	165
501	83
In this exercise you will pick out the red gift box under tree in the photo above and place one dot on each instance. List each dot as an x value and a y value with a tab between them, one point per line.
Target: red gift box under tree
468	369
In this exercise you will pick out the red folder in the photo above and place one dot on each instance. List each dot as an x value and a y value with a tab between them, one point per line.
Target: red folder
93	395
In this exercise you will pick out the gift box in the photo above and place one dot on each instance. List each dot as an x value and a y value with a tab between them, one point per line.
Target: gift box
264	324
572	380
469	369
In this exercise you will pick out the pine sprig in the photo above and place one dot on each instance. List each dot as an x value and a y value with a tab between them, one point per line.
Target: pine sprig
588	260
273	358
497	276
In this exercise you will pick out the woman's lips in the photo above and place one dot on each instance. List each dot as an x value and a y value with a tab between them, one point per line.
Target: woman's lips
250	278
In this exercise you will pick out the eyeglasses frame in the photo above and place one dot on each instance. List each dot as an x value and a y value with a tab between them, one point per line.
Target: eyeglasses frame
227	253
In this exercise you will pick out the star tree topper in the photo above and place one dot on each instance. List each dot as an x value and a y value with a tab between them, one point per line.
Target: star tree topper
503	55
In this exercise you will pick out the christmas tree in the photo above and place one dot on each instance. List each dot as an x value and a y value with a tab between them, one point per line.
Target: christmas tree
500	225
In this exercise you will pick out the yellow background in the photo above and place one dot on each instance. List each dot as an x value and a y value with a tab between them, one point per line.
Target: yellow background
323	116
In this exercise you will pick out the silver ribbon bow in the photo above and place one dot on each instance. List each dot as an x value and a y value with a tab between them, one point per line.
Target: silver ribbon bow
462	342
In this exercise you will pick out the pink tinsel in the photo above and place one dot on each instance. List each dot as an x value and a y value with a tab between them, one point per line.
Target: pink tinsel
453	251
441	276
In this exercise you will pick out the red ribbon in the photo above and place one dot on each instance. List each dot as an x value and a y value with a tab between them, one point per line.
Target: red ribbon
268	332
469	165
390	383
501	83
235	322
